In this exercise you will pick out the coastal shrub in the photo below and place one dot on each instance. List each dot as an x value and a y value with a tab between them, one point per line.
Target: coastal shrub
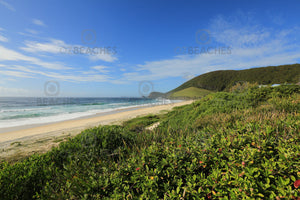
139	124
241	145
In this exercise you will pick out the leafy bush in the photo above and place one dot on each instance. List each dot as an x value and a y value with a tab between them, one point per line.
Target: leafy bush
138	124
242	145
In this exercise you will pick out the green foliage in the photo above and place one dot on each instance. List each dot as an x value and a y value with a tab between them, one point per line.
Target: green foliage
138	124
241	145
225	79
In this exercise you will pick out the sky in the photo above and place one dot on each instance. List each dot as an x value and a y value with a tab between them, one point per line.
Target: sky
128	48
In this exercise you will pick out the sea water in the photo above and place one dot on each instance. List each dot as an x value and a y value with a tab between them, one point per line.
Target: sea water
19	111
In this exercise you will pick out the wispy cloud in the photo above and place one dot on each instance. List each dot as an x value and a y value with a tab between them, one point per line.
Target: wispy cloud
104	57
38	22
33	72
16	74
55	46
80	78
2	38
11	55
101	68
251	45
34	32
7	5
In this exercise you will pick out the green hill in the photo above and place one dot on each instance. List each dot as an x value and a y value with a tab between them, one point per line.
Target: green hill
155	95
191	92
225	79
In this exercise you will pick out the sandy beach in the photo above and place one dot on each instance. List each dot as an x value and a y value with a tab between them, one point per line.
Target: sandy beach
23	141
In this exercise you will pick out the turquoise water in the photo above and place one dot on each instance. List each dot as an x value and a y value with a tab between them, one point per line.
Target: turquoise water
26	111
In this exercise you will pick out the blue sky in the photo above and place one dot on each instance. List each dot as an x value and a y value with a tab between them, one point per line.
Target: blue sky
113	48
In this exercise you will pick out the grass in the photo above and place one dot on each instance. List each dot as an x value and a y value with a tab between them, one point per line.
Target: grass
16	143
139	124
239	145
191	92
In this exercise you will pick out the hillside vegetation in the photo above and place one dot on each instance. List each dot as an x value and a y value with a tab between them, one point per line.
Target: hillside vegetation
191	92
239	145
225	79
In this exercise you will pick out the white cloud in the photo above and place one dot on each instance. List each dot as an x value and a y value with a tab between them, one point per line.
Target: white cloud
3	38
103	56
38	22
27	34
15	74
32	72
100	68
31	31
79	78
54	46
251	45
7	5
11	55
99	73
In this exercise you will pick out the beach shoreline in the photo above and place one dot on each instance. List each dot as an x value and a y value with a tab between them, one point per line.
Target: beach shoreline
40	138
115	111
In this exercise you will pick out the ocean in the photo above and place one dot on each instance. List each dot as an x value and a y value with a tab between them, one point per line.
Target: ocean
19	111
